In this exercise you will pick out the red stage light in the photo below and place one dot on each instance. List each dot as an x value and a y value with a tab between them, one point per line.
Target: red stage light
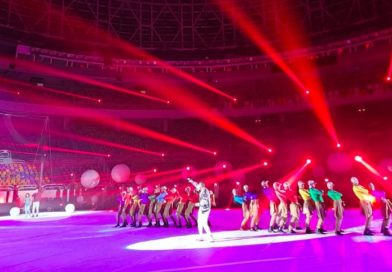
109	155
238	183
188	168
224	166
215	153
308	161
307	92
388	78
358	158
269	150
265	163
155	170
385	178
338	145
163	155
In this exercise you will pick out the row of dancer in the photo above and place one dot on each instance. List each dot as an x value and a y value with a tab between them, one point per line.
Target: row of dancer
284	202
161	204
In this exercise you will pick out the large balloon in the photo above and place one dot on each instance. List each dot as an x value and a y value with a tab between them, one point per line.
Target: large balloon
89	179
121	173
140	179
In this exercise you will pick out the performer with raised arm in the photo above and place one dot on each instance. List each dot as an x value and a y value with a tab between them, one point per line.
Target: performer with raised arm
292	198
282	208
337	206
204	209
365	199
273	204
307	208
385	206
317	197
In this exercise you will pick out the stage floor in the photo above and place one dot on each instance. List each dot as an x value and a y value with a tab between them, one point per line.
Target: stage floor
87	241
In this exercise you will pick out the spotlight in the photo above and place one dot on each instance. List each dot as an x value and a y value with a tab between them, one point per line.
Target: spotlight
238	183
99	100
338	145
72	174
307	92
155	170
235	100
326	180
168	102
215	184
224	166
108	155
385	178
308	161
188	168
269	150
215	153
265	163
163	155
388	78
358	158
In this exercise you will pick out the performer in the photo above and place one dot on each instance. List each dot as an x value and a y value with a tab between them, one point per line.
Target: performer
282	208
28	202
120	211
127	206
317	197
254	207
273	204
204	209
292	198
241	201
308	208
193	198
337	206
160	201
365	199
168	209
133	211
144	201
245	209
151	207
183	199
386	207
36	202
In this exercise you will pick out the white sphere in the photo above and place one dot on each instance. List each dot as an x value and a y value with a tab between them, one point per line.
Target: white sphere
90	179
70	208
121	173
140	179
14	211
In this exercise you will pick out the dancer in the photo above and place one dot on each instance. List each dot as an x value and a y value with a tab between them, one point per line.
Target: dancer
127	206
133	211
239	199
28	202
151	207
337	206
292	198
245	209
193	198
204	209
254	207
160	201
385	206
307	208
144	201
36	202
184	197
282	208
317	197
168	209
273	205
121	204
365	199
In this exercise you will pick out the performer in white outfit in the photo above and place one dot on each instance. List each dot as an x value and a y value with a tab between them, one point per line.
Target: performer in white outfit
204	209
